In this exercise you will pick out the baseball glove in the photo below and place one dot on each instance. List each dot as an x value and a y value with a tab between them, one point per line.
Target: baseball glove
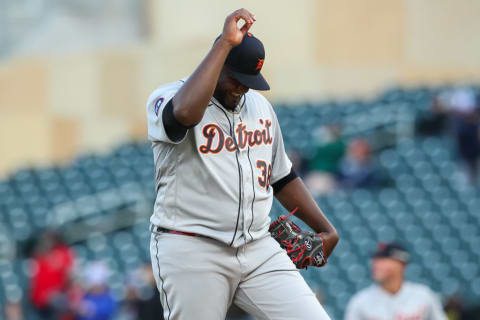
305	248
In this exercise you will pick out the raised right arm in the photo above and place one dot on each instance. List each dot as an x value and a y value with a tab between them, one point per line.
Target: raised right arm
190	102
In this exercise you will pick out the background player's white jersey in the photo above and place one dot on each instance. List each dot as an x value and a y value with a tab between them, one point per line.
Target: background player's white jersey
413	302
206	184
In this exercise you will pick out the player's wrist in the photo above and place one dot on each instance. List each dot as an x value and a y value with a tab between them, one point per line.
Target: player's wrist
224	44
330	240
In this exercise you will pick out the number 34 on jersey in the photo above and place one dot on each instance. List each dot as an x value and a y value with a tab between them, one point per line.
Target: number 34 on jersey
216	141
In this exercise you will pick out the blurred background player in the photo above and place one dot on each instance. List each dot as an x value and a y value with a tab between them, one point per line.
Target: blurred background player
143	298
391	297
97	302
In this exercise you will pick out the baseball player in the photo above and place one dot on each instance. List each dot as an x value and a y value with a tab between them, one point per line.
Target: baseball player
393	298
219	160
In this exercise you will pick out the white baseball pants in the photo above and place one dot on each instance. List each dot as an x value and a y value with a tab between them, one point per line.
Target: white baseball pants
198	278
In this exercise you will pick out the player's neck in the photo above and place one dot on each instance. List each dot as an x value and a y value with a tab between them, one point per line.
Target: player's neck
393	285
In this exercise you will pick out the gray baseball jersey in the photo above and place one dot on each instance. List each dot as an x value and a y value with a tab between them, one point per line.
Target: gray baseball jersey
216	181
413	302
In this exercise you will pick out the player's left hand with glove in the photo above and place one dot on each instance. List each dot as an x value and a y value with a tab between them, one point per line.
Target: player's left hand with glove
305	248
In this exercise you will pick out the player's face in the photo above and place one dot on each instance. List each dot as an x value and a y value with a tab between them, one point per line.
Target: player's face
384	269
229	91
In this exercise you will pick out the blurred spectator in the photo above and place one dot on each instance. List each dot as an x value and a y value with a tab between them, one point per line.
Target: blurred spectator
13	311
392	297
97	303
460	106
324	164
461	100
74	297
329	152
465	121
51	270
357	168
143	298
434	121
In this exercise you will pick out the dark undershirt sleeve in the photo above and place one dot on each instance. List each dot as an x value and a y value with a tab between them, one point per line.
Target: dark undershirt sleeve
174	129
277	186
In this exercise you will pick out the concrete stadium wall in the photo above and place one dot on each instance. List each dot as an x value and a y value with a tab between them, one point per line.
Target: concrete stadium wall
54	107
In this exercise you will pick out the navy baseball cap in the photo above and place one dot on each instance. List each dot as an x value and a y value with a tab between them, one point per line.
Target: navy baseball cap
392	250
245	62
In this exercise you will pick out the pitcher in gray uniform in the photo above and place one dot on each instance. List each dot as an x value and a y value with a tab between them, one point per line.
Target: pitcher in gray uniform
219	160
392	298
